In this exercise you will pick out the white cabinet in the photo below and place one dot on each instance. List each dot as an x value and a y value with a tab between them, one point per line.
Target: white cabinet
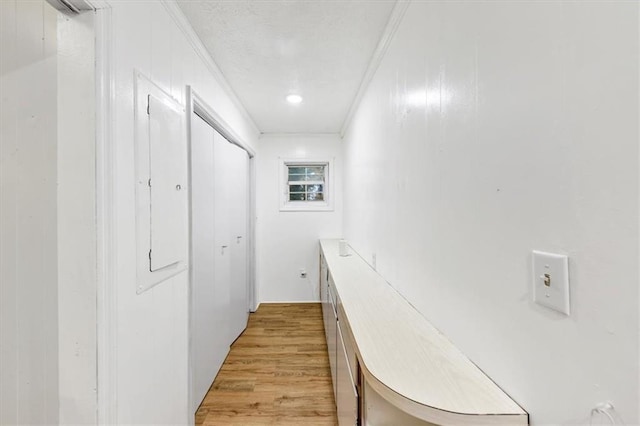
330	320
326	305
343	367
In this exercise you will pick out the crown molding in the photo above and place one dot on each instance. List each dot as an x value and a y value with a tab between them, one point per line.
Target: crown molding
395	18
299	135
99	4
183	23
71	7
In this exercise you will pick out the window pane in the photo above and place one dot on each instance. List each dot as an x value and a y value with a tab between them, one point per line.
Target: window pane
316	170
297	170
305	178
297	188
306	173
315	196
314	188
297	178
296	197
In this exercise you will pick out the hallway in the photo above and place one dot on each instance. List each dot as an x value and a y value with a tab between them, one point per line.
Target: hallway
169	166
277	372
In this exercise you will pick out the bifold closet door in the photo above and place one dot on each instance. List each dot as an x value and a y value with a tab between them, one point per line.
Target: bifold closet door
210	300
219	224
222	170
239	203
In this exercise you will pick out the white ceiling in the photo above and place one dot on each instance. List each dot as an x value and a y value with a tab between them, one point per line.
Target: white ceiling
268	49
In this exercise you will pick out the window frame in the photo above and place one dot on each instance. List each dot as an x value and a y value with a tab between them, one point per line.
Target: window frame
310	206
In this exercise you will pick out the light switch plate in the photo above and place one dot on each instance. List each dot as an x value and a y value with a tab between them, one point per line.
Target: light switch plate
551	281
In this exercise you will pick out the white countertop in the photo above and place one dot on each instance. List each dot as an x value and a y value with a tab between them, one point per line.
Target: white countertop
406	359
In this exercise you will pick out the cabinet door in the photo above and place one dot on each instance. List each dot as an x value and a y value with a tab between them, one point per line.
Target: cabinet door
347	340
332	342
323	278
324	299
347	399
238	205
323	294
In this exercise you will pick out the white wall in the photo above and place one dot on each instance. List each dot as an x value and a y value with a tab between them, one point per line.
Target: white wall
288	241
151	333
491	129
28	237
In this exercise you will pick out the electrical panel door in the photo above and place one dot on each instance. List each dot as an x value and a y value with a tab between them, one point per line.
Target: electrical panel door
167	183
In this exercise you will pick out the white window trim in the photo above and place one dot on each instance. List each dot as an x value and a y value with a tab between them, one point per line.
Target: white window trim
306	206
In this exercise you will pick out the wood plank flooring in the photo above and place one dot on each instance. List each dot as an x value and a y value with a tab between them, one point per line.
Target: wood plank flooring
277	372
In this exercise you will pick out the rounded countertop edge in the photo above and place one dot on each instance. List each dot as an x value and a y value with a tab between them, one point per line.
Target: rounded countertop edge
437	415
422	410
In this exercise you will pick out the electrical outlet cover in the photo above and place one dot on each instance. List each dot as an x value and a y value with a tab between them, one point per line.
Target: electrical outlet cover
551	281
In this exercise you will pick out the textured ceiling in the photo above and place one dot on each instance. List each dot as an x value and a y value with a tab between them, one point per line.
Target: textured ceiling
268	49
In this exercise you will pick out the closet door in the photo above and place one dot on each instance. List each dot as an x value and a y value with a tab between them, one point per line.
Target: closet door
239	203
219	224
222	170
209	341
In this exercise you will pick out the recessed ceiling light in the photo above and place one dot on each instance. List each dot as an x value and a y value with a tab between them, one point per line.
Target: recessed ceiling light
294	99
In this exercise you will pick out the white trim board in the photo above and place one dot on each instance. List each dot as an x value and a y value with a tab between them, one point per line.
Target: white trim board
189	112
387	36
298	135
183	23
107	224
203	110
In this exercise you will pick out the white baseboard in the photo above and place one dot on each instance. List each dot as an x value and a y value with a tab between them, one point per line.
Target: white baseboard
266	302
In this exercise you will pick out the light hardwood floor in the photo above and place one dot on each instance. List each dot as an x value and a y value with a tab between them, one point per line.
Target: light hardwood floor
277	372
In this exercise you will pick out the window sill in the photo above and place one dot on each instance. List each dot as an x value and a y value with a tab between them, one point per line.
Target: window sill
306	206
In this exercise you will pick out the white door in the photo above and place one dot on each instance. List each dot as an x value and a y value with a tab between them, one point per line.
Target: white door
222	170
219	212
209	341
239	203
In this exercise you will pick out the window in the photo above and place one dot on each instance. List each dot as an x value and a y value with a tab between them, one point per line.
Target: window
306	185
